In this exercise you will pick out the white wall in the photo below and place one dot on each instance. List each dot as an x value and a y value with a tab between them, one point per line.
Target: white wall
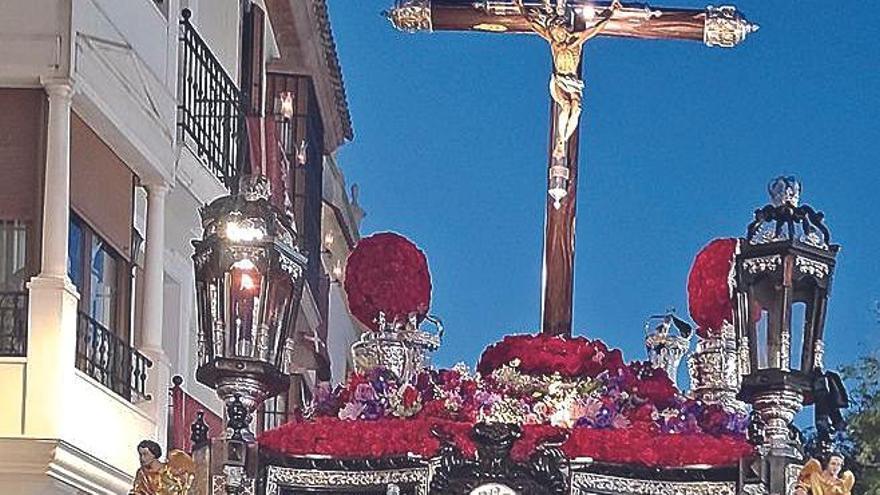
218	23
34	41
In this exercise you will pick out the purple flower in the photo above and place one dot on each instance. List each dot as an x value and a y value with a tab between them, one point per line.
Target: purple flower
373	410
604	419
365	393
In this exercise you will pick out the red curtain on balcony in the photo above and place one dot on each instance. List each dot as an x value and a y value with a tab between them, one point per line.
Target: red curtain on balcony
267	157
183	411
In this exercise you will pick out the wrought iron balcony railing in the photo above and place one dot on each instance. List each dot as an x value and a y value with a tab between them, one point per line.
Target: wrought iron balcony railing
13	323
111	361
209	104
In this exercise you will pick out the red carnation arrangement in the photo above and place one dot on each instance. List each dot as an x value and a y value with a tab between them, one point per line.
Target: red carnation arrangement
375	439
543	354
387	273
649	383
709	287
398	437
640	445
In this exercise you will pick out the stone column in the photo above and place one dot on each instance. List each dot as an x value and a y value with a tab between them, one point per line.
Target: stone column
159	375
52	298
56	196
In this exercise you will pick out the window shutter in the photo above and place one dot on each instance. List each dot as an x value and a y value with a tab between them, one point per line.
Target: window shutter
101	187
252	55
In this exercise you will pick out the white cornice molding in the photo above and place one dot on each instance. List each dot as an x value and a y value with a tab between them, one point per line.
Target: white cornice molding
64	462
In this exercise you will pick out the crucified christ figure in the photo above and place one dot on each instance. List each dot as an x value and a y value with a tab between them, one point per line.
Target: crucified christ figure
566	88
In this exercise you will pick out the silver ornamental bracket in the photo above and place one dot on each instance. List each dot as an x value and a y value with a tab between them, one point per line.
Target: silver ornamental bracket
726	27
411	15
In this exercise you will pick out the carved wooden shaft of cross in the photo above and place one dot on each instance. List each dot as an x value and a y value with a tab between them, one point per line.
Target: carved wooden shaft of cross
714	26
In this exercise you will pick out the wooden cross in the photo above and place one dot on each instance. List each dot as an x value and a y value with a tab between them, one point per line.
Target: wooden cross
566	25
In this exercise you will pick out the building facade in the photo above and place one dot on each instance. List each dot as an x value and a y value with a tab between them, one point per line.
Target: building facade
117	123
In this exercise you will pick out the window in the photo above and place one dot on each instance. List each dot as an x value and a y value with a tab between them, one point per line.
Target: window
103	284
101	276
14	273
13	255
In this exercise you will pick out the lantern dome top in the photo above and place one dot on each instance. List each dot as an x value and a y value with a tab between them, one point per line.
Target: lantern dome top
786	220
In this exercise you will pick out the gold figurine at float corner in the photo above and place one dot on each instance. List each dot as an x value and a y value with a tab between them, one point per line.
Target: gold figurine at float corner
816	480
566	45
174	477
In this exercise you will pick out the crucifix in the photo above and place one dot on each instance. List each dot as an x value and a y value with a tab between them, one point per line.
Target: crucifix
566	25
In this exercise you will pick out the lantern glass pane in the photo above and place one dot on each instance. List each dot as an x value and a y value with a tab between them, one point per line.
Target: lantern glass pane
761	327
204	319
798	331
216	325
277	318
246	300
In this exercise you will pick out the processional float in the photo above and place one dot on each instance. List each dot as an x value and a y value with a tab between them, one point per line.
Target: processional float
546	413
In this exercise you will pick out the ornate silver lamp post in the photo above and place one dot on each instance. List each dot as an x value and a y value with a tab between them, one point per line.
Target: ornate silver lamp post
249	276
786	259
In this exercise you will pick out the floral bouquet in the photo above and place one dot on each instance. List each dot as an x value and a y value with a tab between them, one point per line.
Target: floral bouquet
609	410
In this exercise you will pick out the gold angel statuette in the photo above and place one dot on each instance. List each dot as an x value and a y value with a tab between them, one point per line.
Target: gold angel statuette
174	477
828	480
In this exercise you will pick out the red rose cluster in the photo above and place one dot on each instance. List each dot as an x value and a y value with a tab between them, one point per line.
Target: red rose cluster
375	439
709	291
398	437
386	272
544	355
641	445
649	383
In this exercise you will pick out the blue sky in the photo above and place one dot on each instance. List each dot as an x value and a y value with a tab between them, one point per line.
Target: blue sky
678	143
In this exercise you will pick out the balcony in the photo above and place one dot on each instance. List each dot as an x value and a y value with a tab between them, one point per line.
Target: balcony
13	323
209	105
109	360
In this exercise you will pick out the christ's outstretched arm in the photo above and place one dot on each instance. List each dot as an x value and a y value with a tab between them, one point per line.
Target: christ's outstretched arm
537	26
598	27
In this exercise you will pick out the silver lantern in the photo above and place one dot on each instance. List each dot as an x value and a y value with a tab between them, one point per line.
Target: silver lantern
249	276
785	263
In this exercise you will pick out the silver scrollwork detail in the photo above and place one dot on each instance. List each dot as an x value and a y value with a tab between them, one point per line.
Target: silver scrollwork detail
278	477
404	353
411	15
256	255
293	268
792	471
255	187
218	486
587	483
755	490
819	354
725	27
715	370
810	267
785	351
762	264
777	408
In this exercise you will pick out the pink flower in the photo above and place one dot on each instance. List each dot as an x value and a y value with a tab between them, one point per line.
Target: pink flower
352	411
